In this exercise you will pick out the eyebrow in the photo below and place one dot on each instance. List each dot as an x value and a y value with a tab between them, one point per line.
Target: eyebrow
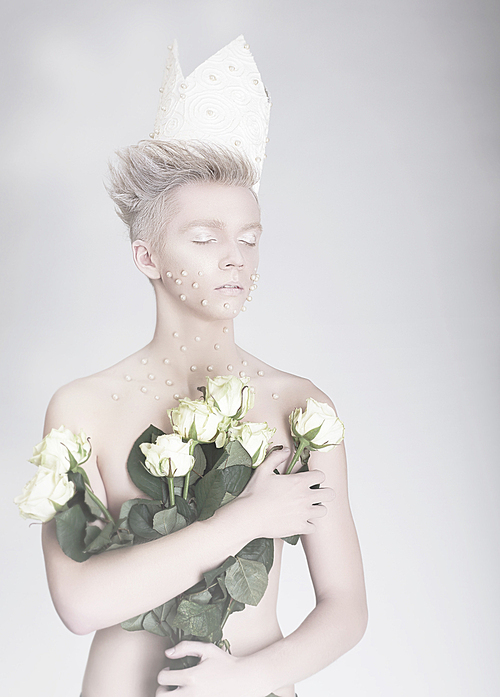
217	224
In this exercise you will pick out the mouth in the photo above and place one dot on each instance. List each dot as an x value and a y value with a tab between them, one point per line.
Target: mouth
230	289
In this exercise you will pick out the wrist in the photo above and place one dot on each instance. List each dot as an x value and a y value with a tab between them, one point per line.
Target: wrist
231	524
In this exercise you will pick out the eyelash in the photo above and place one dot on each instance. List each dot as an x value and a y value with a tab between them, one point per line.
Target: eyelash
250	244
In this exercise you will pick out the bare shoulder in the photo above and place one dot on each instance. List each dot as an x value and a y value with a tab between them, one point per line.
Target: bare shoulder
84	402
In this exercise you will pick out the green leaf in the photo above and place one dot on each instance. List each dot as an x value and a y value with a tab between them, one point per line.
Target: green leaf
77	480
168	520
140	519
237	455
291	539
154	625
212	454
311	435
203	597
184	509
199	620
91	533
134	624
261	549
145	481
70	529
209	492
93	507
246	581
210	576
236	478
101	541
200	461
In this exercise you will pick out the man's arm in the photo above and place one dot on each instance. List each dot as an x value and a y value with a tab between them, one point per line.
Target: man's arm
118	584
338	620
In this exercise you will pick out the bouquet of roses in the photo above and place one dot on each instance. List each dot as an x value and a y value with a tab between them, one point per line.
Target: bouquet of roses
186	476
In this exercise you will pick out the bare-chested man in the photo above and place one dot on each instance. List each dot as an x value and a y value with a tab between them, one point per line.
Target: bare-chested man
195	227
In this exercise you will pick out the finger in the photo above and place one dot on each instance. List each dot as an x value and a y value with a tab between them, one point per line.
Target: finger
317	511
173	677
275	458
312	477
321	495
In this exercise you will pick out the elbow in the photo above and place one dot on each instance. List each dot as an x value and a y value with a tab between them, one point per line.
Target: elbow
76	615
76	619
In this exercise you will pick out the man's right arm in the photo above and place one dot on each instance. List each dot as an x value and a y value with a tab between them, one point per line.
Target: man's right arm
113	586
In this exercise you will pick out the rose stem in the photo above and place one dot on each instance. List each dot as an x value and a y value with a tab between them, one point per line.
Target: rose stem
186	485
170	481
302	445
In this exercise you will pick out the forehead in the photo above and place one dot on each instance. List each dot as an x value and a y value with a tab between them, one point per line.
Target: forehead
234	205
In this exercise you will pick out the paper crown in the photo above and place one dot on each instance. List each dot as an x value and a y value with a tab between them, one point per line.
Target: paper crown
223	102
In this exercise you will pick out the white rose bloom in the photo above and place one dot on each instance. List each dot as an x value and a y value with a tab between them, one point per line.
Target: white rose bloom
255	438
196	419
168	457
316	414
52	453
230	394
45	494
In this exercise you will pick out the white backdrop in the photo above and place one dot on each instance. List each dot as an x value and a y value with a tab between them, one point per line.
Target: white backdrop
379	281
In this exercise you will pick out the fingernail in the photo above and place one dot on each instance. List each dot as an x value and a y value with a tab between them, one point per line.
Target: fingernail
170	652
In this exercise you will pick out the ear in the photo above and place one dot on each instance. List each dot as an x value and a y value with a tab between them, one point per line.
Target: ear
143	258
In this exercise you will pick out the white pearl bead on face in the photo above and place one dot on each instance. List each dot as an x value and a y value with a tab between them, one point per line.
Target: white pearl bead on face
169	274
197	338
260	372
204	303
166	361
144	360
175	335
275	396
151	376
144	389
193	368
227	306
216	347
195	285
184	273
182	297
128	378
157	396
210	368
115	396
229	367
183	348
178	281
169	383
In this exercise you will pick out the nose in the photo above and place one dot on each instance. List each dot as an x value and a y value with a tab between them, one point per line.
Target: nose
231	256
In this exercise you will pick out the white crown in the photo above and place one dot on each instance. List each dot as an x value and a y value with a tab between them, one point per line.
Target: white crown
223	101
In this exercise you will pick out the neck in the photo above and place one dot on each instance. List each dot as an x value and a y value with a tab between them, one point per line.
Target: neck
189	348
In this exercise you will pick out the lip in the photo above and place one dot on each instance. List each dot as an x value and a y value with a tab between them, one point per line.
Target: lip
236	290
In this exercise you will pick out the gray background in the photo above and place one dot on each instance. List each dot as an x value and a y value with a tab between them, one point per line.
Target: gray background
378	281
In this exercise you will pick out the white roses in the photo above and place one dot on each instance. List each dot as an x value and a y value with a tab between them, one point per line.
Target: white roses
255	438
169	456
50	489
319	425
53	453
44	495
196	420
230	395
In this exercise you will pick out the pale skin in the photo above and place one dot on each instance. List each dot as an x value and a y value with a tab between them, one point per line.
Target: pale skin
212	238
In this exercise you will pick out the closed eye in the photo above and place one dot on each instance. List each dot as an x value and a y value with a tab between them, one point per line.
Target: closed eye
204	241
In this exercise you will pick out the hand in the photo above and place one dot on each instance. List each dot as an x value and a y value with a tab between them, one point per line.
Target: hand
282	505
218	674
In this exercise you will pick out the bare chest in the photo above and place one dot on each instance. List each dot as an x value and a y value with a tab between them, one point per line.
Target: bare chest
120	424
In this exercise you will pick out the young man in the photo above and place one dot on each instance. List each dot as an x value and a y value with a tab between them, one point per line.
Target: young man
194	223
